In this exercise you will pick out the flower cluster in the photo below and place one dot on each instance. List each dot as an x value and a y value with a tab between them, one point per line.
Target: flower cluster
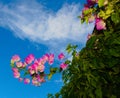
62	65
90	13
33	67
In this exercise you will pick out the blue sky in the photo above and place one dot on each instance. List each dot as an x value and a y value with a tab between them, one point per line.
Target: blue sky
38	27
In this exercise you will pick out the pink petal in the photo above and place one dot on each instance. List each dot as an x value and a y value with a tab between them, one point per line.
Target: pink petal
16	74
20	79
100	24
88	36
61	56
63	66
26	81
51	59
14	69
29	59
15	58
19	64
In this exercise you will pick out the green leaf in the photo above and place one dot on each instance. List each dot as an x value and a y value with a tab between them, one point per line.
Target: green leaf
115	18
107	34
82	21
113	96
102	13
11	63
50	76
67	62
79	16
88	11
98	92
91	42
116	41
69	48
114	52
101	3
53	70
26	73
109	11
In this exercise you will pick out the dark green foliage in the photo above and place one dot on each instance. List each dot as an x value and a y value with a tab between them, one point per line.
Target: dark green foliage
95	71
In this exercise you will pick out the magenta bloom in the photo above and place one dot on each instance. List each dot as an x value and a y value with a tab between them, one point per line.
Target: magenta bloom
61	56
19	64
88	36
45	57
15	58
40	79
63	66
24	64
51	59
33	68
29	59
100	24
35	82
84	9
41	68
14	69
26	81
16	74
20	79
40	64
41	61
91	2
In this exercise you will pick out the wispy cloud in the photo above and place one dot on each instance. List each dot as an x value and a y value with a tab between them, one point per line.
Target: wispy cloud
34	22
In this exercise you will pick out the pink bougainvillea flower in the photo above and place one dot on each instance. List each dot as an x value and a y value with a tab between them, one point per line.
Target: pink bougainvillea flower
20	79
92	2
14	69
35	81
33	68
41	61
88	36
45	57
51	59
61	56
16	74
63	66
91	19
15	58
29	59
26	81
84	9
41	68
40	64
24	65
100	24
31	71
19	64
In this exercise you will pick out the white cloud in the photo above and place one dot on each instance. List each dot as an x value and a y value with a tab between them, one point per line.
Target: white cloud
34	22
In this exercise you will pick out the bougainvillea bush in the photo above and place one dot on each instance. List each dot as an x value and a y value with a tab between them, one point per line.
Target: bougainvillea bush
94	71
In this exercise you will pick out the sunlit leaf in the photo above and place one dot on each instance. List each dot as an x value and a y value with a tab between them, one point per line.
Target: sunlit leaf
101	3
